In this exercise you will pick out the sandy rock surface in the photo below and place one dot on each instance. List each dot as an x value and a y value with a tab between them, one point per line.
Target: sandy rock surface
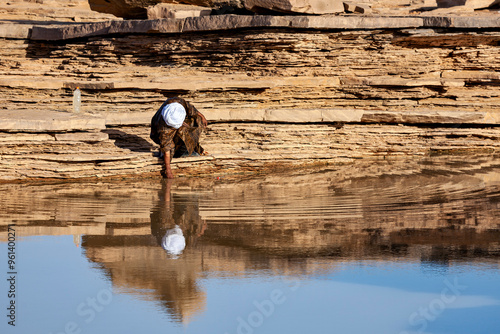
279	91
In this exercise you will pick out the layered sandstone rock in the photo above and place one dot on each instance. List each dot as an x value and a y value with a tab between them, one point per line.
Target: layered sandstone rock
176	11
46	11
386	78
248	148
137	9
297	6
410	74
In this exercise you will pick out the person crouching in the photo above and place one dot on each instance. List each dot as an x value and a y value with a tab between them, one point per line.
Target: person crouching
177	127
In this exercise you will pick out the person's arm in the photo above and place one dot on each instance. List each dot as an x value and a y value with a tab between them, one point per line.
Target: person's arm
168	170
203	119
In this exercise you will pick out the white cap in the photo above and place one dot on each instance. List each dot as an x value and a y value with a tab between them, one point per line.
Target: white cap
174	114
173	241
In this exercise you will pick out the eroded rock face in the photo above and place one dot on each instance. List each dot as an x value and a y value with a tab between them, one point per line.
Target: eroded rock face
136	9
297	6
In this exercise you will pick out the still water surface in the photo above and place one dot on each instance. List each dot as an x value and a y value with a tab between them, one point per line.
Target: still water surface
405	251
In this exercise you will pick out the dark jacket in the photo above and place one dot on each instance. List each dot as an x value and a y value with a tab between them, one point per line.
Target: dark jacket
191	113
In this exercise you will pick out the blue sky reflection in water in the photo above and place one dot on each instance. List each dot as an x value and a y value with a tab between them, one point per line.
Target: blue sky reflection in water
271	255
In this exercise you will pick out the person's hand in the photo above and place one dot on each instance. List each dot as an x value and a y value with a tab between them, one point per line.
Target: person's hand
166	174
203	120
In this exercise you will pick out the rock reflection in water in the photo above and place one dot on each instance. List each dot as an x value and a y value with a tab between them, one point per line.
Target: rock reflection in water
148	268
282	225
274	225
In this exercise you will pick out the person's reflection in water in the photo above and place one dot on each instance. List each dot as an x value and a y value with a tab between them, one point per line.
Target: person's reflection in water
176	221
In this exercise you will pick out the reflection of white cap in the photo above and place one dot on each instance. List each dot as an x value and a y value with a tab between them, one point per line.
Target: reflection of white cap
173	241
174	114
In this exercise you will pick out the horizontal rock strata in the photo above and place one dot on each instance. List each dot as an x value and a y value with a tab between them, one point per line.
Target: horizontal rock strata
233	148
297	6
229	22
246	75
137	9
45	11
274	75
